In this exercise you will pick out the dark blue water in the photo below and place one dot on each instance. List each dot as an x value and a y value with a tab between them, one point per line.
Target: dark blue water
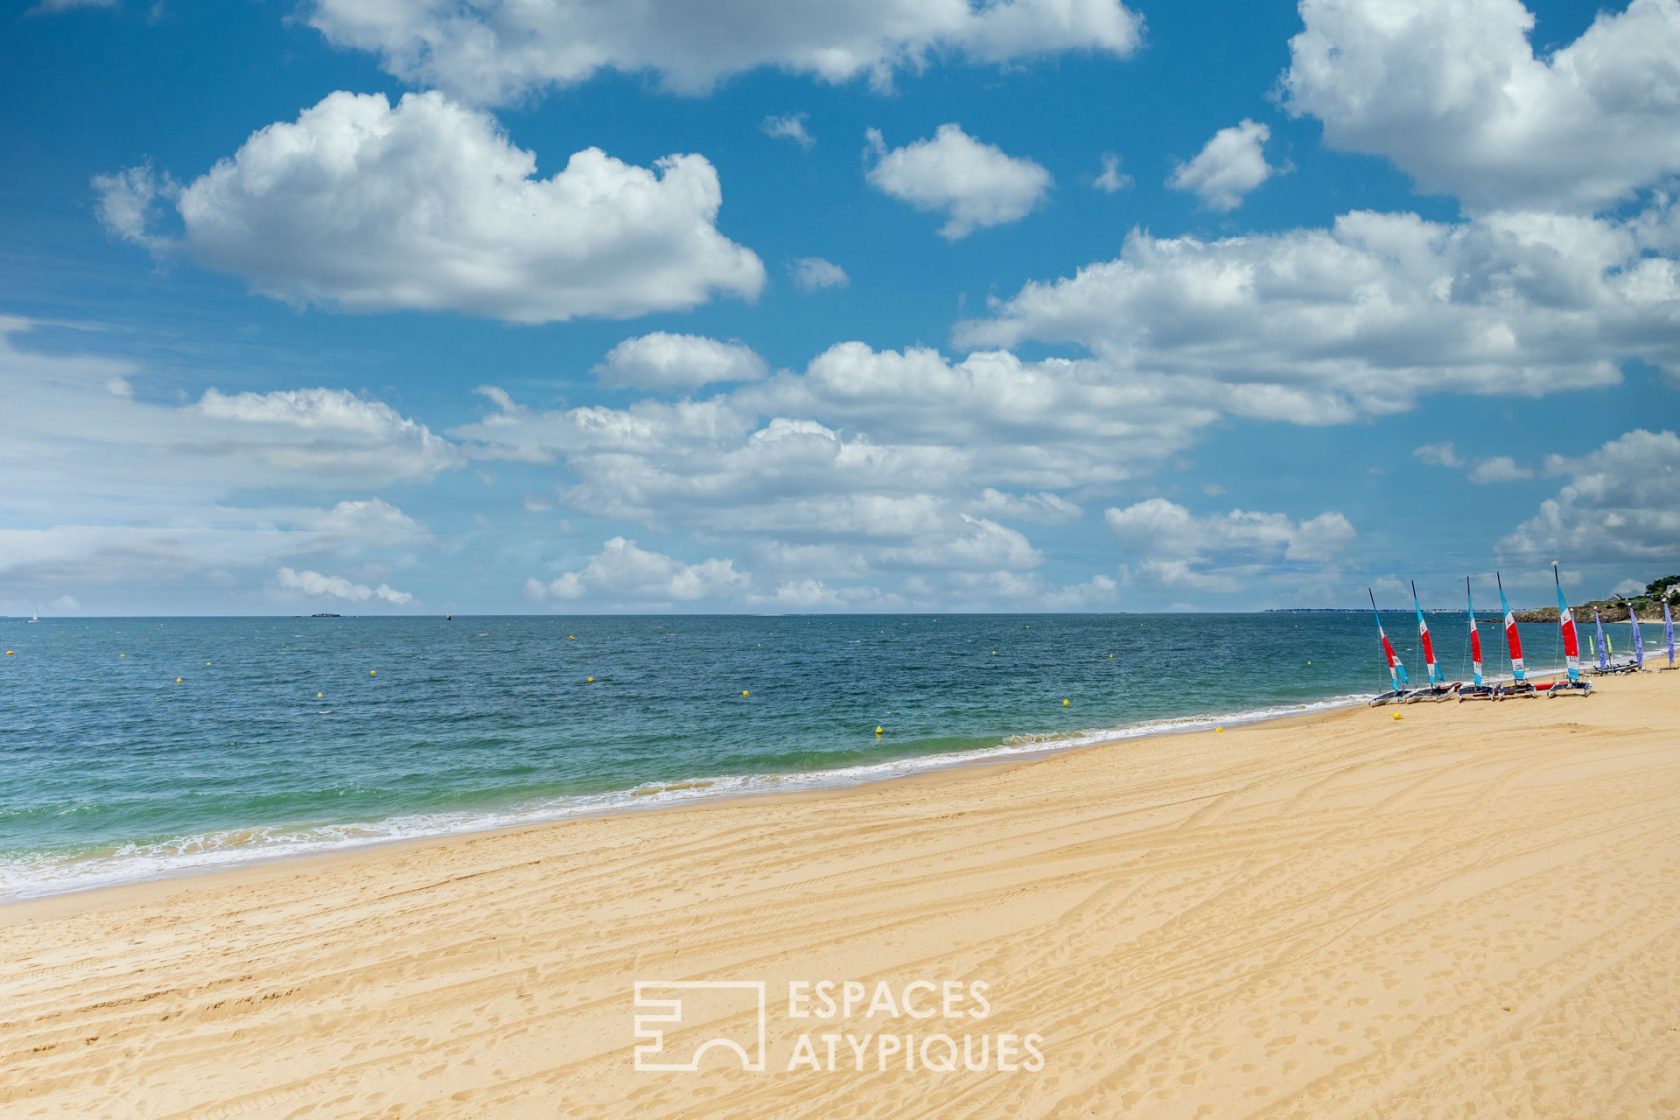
289	735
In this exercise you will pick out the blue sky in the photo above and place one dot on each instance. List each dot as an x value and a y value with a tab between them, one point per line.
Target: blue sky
1041	304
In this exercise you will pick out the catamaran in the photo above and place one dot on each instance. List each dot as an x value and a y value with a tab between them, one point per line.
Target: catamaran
1396	670
1520	684
1438	689
1477	689
1571	647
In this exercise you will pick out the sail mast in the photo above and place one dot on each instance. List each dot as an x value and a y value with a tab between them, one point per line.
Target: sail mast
1475	638
1396	670
1423	640
1566	625
1638	638
1668	632
1513	640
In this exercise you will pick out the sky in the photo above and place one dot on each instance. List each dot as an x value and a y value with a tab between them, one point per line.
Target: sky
502	306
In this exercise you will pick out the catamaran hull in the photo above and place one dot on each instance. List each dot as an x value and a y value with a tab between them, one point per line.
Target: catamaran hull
1476	692
1515	689
1431	695
1568	688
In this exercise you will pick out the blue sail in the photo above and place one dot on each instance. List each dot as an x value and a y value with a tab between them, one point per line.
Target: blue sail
1668	631
1638	638
1601	645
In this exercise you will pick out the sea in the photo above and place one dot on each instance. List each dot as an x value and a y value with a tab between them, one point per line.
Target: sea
141	748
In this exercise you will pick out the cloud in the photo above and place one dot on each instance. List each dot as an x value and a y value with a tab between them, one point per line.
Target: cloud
788	127
50	7
1618	503
1500	468
1229	166
974	184
811	274
314	583
494	51
118	487
622	574
1044	506
1177	548
1437	455
318	430
428	206
667	362
1111	179
1452	93
1325	325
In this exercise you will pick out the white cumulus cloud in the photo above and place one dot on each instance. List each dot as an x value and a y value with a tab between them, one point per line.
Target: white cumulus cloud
974	184
1111	179
492	51
1452	92
1618	503
1325	325
1228	166
1178	548
314	583
789	126
811	274
427	205
622	574
667	362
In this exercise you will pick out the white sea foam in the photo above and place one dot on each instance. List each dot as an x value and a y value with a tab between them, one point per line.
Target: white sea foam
39	876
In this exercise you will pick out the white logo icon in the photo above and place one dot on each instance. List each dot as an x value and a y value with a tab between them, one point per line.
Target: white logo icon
666	1001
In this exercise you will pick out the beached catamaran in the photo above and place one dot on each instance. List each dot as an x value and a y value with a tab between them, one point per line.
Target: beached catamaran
1438	688
1571	647
1520	684
1477	690
1396	671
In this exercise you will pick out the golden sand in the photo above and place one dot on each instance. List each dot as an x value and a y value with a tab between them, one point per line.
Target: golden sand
1474	910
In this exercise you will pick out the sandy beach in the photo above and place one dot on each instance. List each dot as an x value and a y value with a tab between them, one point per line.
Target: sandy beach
1474	910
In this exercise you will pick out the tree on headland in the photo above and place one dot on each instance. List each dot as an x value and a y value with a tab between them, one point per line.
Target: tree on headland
1668	587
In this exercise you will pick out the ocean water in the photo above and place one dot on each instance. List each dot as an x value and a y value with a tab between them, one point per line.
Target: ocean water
292	735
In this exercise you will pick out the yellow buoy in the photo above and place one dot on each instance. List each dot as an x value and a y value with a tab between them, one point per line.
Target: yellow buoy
571	637
208	663
879	729
9	653
122	655
373	672
177	680
1064	703
744	692
1396	715
318	695
589	680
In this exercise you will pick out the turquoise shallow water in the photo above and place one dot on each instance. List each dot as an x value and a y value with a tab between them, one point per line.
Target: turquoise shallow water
111	771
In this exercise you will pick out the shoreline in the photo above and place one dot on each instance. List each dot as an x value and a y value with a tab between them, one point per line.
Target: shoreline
649	797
